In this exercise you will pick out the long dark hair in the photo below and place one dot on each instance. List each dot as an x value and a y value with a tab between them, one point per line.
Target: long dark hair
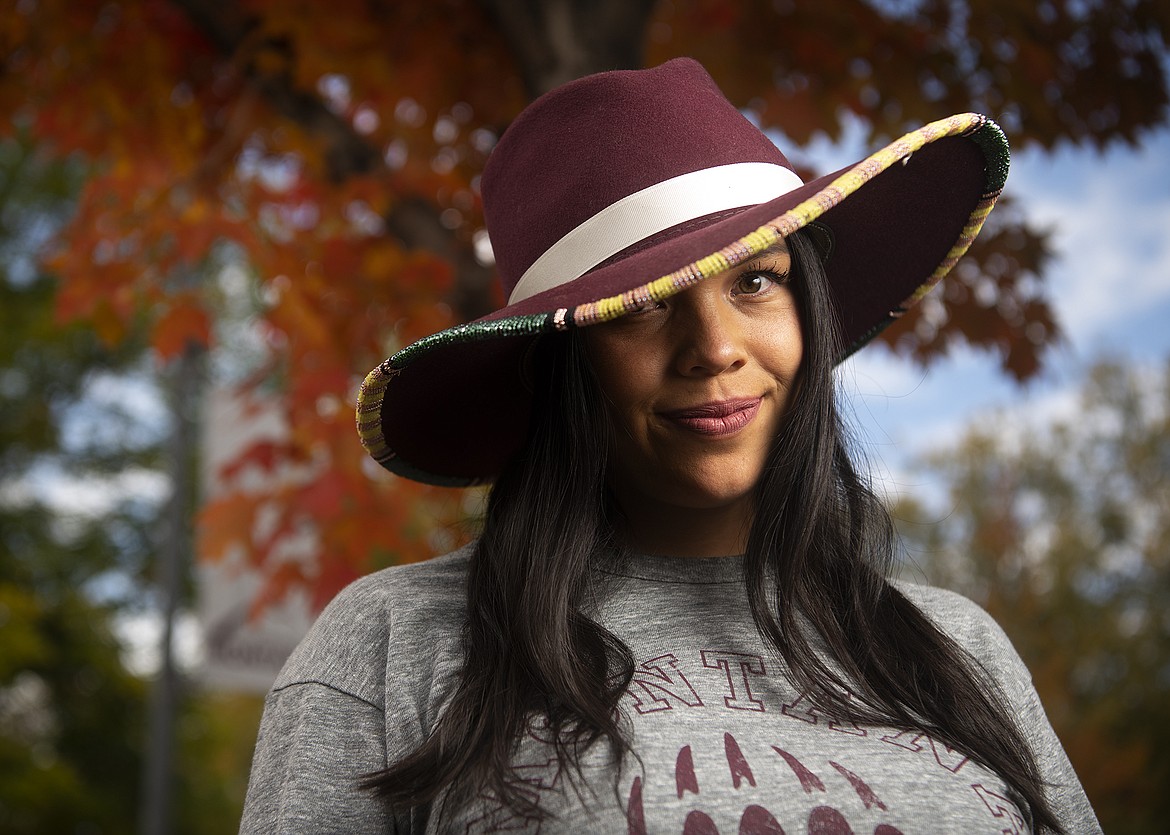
819	533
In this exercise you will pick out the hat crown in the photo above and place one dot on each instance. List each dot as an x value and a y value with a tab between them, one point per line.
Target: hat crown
582	147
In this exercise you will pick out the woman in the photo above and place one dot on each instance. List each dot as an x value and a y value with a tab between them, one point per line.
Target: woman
676	618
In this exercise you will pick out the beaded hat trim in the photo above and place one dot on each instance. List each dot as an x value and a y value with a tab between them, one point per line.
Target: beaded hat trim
977	128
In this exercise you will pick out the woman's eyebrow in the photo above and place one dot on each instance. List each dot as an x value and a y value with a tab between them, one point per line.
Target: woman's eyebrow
778	248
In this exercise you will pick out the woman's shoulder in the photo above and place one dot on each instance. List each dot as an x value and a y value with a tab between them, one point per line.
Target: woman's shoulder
399	594
377	621
969	625
403	587
932	599
958	616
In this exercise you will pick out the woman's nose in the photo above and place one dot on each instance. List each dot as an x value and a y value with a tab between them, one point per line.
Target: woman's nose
709	338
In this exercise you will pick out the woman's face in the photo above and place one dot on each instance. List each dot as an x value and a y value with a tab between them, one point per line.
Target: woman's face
696	387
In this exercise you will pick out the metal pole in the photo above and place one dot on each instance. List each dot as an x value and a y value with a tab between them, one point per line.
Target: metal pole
174	557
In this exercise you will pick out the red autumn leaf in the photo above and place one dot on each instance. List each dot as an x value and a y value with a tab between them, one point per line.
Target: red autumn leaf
264	455
322	499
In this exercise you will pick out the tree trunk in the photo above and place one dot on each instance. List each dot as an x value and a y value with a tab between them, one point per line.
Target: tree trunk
555	41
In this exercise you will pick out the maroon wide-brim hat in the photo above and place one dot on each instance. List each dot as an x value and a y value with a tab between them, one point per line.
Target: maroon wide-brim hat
594	168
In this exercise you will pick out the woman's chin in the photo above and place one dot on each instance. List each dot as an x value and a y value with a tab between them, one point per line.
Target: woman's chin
703	498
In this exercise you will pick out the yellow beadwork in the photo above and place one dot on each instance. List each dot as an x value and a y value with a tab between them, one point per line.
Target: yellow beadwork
756	241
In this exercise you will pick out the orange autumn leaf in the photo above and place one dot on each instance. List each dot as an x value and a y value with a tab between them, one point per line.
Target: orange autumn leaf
183	323
225	523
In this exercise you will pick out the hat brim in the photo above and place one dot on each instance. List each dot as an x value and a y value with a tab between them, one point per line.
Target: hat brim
450	409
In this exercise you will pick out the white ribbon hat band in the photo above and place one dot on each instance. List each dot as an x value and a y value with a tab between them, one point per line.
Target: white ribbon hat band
650	211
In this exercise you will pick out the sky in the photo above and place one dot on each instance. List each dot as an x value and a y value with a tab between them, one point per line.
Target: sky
1109	283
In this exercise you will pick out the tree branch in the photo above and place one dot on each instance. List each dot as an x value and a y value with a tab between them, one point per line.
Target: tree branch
413	221
346	152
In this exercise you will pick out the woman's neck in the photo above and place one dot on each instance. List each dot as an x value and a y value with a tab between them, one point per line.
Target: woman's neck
669	530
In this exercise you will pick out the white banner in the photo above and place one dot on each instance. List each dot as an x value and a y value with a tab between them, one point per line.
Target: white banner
243	653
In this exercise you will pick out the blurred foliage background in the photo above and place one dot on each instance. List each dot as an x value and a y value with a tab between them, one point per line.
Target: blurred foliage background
270	197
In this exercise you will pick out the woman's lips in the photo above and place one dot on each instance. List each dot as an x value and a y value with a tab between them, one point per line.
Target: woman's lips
715	419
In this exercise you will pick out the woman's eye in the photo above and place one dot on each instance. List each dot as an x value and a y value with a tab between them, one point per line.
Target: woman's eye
645	307
756	282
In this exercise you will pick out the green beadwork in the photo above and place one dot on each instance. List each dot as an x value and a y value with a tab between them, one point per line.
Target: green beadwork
529	325
993	142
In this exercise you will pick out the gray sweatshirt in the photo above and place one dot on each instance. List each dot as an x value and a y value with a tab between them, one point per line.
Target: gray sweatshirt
724	742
